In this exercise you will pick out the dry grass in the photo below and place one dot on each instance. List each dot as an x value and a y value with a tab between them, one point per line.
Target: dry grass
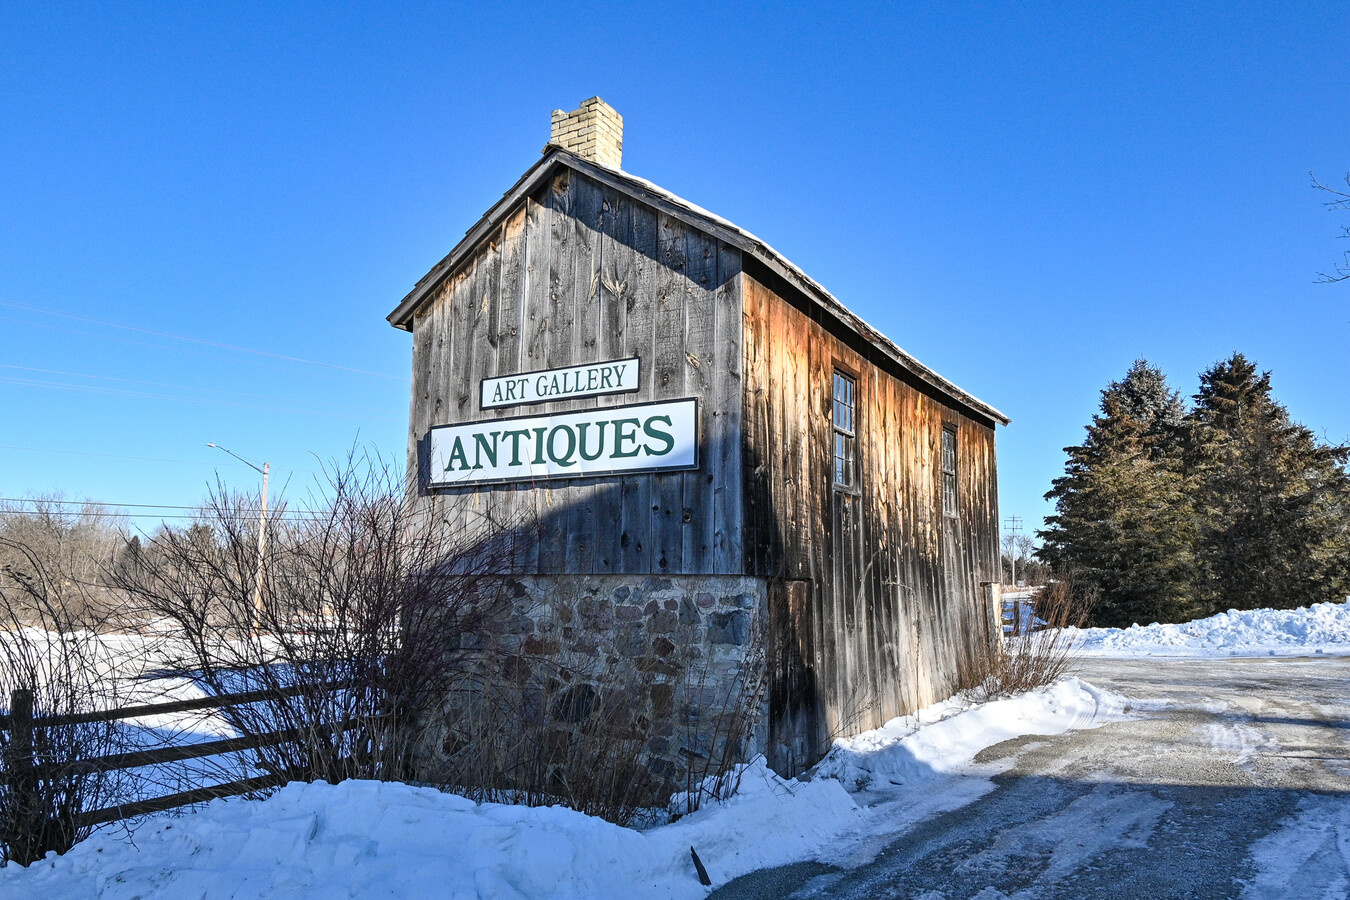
1029	661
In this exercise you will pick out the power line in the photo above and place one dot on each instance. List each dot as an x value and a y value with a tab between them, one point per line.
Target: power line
111	509
181	387
38	501
180	337
195	462
1013	524
304	516
121	340
199	401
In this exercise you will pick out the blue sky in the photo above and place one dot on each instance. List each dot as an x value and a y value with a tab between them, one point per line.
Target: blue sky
1025	196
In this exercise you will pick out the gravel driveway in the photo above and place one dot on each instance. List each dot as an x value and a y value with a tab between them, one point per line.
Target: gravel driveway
1231	780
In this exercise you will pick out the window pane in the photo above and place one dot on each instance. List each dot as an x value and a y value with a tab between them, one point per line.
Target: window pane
843	395
948	472
948	450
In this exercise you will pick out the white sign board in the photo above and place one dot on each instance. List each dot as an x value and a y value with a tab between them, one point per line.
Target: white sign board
613	377
644	437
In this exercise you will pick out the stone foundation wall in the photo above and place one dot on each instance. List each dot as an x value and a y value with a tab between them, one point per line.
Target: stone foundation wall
670	659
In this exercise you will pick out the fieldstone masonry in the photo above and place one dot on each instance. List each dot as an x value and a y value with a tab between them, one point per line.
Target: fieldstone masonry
684	652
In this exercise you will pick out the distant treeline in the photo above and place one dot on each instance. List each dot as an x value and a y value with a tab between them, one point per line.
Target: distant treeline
1170	511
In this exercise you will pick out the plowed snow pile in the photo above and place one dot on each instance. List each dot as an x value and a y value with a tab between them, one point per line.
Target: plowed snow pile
1323	628
943	739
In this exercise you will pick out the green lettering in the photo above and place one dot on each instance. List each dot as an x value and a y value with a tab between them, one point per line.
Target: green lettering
515	437
457	452
539	446
581	440
664	436
620	437
565	459
485	445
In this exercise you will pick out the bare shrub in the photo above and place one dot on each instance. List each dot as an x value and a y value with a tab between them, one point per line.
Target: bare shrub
52	664
382	638
719	735
1039	657
355	633
534	735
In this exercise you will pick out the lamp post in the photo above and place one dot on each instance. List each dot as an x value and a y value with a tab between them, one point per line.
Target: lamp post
262	532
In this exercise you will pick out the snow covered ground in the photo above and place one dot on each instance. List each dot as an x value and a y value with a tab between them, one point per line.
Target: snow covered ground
1322	629
391	840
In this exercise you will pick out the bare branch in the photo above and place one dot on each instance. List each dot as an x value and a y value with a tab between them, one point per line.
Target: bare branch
1340	202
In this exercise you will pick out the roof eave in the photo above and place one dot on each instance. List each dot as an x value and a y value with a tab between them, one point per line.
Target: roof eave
402	316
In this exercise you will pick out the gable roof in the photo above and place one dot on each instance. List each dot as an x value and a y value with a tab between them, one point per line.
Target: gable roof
640	189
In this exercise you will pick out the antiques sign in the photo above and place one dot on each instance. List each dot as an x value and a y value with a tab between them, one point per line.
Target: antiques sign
644	437
615	377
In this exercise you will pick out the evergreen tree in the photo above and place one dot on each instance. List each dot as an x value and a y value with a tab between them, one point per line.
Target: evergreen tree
1123	517
1272	502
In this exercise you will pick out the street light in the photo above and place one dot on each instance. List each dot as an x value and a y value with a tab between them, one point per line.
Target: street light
262	531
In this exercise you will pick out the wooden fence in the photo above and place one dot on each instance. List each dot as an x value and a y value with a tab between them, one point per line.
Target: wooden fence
23	773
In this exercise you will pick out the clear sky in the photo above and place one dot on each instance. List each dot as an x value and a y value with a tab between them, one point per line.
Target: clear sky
1024	196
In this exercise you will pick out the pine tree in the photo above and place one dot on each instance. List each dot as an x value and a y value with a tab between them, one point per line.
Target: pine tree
1123	519
1273	503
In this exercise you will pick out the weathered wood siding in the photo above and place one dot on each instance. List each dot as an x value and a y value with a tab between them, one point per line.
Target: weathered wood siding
581	273
860	636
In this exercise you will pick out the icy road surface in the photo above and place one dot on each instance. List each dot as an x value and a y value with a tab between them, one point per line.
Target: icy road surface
1231	780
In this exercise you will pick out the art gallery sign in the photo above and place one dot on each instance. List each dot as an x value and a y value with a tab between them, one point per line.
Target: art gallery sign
614	377
641	437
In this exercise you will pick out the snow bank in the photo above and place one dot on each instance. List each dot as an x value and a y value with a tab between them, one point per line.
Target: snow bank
945	738
368	839
1323	628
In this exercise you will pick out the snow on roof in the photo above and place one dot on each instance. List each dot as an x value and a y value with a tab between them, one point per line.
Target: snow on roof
700	218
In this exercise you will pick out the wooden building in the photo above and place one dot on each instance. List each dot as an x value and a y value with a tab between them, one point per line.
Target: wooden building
679	412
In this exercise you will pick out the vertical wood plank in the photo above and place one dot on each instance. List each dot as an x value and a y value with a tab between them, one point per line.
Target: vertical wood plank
668	371
509	327
617	276
700	362
578	515
724	416
896	620
531	506
637	496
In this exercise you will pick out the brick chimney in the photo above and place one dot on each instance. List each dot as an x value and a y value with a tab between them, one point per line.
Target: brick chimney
592	131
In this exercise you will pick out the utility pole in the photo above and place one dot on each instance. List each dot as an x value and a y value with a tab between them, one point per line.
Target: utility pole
262	535
1013	523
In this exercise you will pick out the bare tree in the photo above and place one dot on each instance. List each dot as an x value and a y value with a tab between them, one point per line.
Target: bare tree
71	543
1339	202
369	615
52	664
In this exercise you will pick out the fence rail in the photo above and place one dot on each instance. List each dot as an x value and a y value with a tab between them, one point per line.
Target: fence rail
22	773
